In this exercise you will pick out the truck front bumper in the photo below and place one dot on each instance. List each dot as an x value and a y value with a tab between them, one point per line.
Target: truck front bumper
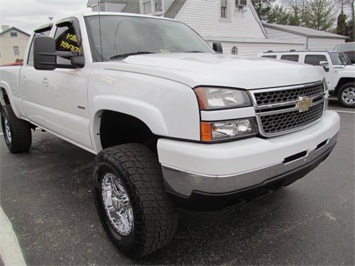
213	176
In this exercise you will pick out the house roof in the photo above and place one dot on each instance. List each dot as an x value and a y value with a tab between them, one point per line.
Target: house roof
303	31
174	8
14	29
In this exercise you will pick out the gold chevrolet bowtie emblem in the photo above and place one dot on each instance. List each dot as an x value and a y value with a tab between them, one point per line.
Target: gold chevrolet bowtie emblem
304	103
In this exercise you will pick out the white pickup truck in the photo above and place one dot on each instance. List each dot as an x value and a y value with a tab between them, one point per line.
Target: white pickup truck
173	123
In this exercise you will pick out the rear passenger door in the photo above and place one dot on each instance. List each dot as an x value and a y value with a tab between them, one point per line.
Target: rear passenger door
315	59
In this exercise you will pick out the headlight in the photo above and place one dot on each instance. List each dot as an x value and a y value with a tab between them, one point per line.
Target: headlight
212	131
216	98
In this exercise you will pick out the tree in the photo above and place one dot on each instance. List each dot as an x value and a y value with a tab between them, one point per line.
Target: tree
278	15
342	25
319	15
263	8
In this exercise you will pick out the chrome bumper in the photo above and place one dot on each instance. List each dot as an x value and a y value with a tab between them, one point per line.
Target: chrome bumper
185	183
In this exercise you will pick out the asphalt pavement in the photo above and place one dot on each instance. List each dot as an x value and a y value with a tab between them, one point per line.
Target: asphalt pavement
46	196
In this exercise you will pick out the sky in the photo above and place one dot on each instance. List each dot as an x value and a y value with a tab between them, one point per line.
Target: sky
26	15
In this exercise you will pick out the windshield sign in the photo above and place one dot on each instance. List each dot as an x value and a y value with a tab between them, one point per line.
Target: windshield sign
116	37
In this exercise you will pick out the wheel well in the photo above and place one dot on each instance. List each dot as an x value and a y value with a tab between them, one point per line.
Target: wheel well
118	128
341	82
4	99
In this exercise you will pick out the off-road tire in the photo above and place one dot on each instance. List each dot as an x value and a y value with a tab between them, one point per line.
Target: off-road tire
344	96
20	131
155	218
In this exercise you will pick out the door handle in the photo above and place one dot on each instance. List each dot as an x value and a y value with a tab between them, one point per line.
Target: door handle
24	79
45	82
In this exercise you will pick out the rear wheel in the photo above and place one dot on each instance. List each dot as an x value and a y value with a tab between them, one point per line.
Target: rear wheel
346	94
134	209
17	132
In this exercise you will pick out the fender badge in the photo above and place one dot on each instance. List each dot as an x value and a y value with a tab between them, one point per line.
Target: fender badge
304	103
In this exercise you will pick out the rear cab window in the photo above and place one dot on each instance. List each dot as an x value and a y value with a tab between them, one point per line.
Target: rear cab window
290	57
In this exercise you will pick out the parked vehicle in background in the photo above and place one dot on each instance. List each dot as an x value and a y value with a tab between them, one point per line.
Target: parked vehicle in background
172	121
335	66
348	49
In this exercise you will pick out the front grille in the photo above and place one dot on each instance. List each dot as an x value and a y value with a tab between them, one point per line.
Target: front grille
280	96
287	121
279	110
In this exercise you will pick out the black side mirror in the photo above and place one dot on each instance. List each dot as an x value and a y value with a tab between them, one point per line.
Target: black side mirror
217	47
44	53
325	65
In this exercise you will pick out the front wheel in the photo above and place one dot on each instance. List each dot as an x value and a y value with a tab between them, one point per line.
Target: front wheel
134	209
346	94
17	132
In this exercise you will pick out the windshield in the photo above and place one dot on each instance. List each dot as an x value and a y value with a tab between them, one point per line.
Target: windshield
340	59
121	36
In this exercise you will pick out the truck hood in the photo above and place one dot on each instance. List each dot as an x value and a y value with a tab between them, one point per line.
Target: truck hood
194	69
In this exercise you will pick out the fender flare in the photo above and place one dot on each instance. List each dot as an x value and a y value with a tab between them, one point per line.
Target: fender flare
142	110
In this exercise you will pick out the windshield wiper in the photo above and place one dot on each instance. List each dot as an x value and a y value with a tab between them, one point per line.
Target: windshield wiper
128	54
194	52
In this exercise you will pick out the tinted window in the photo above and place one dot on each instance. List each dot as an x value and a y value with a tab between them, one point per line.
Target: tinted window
269	56
314	59
290	57
66	41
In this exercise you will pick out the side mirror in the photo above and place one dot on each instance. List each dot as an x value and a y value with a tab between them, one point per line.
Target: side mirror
325	65
44	53
217	47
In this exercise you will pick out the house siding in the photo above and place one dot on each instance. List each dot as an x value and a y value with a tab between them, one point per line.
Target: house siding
310	43
252	49
6	46
323	44
204	17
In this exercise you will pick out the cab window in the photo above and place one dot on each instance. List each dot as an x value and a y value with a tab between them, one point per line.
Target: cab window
314	59
66	41
269	56
290	57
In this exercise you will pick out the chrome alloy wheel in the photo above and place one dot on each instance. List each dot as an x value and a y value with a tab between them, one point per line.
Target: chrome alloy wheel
7	129
348	95
117	204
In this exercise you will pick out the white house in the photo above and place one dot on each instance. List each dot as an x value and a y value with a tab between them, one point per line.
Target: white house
234	23
13	42
312	39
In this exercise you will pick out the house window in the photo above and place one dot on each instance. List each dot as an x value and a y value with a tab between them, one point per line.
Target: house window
235	50
147	6
158	6
16	50
224	9
13	34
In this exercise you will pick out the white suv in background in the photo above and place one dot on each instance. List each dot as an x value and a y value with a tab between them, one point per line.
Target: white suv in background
335	66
